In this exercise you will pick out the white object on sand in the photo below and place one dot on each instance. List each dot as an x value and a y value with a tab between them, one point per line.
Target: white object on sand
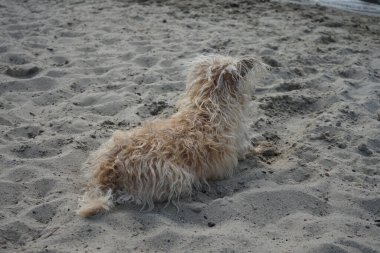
358	6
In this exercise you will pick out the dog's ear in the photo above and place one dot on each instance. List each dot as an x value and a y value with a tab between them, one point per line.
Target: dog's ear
245	65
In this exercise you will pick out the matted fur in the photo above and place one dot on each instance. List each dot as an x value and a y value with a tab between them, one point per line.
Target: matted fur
163	159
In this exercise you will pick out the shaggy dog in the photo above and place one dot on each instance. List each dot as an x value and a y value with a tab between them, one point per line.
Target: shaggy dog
164	159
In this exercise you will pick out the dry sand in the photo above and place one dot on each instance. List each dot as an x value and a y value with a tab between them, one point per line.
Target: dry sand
74	71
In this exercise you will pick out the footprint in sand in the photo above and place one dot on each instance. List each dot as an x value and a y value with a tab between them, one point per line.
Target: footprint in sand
18	233
327	248
43	213
36	84
288	86
353	72
281	203
10	193
127	56
284	104
22	174
271	61
22	72
4	122
41	187
55	73
146	61
59	61
34	150
15	59
29	132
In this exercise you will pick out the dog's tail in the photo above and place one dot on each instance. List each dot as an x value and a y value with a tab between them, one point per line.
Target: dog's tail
95	202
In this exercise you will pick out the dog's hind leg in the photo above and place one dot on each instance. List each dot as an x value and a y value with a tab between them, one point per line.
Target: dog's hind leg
103	173
105	181
107	153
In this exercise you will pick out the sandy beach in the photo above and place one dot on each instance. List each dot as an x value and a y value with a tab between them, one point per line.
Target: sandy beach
72	72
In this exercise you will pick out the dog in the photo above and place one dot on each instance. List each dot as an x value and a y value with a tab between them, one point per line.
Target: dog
165	159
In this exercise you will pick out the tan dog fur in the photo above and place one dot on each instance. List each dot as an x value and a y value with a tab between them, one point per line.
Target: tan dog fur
165	158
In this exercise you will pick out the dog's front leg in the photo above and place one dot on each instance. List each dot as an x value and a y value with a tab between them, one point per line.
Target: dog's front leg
244	146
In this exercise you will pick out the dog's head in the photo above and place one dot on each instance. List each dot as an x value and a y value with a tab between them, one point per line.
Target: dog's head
222	80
